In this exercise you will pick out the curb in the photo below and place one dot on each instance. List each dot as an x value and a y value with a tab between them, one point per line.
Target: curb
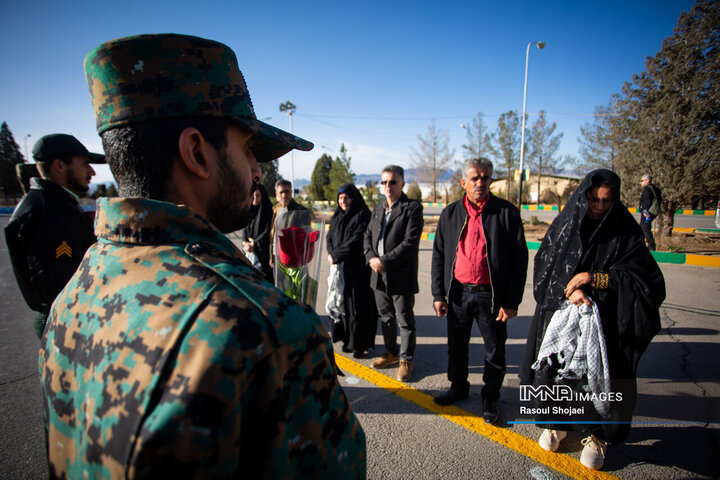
660	257
680	211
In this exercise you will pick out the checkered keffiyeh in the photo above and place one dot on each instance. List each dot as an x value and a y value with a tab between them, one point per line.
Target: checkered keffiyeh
575	336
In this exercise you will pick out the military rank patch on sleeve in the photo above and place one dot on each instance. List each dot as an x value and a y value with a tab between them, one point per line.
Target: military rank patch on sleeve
63	249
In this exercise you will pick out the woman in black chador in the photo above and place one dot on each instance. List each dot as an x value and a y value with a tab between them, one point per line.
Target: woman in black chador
256	236
344	244
595	248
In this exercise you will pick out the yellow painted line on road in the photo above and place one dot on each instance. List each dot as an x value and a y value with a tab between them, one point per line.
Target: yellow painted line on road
702	260
507	438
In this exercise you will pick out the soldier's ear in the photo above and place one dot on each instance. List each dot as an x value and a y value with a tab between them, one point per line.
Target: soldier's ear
58	165
195	153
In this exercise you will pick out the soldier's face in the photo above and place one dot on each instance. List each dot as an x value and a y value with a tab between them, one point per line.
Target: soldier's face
229	209
78	175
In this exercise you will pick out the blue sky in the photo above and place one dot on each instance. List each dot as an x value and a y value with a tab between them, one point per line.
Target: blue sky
370	74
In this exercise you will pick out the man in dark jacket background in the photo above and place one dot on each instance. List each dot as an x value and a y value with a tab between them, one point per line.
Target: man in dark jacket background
391	245
479	266
649	193
48	232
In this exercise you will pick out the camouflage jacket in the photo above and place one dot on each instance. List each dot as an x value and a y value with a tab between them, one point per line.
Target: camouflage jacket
166	356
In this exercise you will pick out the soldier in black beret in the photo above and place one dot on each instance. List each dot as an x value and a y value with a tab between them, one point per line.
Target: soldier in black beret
48	232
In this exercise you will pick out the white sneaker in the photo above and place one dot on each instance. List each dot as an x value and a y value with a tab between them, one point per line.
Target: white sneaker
593	454
550	439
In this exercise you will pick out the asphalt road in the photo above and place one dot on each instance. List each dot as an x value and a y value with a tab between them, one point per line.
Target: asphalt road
677	433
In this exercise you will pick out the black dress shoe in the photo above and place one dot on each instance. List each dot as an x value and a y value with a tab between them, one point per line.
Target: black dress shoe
490	411
346	349
451	396
358	354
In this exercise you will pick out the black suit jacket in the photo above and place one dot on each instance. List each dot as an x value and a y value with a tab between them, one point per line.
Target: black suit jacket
402	243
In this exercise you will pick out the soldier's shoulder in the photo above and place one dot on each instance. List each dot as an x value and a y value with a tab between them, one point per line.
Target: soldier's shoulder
243	289
258	308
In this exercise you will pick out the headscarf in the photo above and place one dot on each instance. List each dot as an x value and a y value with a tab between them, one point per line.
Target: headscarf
261	215
259	230
629	309
613	244
345	222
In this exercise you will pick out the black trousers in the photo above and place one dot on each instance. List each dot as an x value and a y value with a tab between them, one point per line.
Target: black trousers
394	310
647	231
466	307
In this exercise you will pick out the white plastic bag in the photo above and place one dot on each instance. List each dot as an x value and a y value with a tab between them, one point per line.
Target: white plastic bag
254	260
335	304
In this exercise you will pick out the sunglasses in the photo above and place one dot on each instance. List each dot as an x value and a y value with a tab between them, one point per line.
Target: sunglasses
389	182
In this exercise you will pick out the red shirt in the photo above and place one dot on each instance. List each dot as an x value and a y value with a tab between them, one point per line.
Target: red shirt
471	265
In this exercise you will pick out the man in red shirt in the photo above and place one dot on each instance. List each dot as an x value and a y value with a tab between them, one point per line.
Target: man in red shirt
479	267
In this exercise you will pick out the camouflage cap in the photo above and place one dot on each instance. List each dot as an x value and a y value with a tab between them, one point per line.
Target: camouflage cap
148	77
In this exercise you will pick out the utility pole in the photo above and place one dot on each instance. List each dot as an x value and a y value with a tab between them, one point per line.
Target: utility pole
289	108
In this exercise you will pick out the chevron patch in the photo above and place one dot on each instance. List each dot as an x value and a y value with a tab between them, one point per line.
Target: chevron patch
63	249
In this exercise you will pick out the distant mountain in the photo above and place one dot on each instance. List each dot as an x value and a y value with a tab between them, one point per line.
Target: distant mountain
361	179
414	175
411	175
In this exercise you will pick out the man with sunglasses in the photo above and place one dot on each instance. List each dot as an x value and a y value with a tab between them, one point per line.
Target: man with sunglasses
391	246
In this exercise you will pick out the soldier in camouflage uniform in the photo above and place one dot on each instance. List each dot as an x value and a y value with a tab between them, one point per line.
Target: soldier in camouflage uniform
167	355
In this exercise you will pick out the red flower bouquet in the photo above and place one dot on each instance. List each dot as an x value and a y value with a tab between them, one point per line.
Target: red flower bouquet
296	247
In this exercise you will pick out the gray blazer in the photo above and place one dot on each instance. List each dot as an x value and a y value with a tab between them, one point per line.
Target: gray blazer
402	243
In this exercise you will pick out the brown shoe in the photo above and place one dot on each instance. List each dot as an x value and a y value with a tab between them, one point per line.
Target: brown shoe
385	361
405	370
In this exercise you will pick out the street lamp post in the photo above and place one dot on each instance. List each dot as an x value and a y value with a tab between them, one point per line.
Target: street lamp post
27	159
289	108
540	46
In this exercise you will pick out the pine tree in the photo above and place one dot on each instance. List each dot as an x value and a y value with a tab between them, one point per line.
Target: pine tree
10	155
670	114
270	175
320	177
340	173
100	191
